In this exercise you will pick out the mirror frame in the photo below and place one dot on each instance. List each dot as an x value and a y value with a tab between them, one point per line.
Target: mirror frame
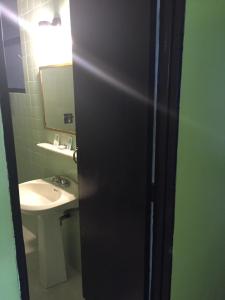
43	101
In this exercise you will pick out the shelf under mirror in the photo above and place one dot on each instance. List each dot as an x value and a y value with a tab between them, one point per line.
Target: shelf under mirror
53	148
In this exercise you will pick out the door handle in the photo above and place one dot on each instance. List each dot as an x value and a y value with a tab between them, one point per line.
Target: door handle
75	155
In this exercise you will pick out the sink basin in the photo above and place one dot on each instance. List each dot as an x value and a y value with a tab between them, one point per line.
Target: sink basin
48	202
42	196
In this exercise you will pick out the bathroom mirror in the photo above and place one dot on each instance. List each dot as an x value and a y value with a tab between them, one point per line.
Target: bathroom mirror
58	97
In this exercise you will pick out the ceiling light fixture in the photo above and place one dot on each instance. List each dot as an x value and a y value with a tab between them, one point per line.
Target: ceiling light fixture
55	22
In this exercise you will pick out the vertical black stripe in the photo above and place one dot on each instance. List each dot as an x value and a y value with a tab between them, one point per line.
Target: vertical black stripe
170	62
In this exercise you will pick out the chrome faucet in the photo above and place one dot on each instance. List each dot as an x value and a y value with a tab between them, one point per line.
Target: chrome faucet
60	180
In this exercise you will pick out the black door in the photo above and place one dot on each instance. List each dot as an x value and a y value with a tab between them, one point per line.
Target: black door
113	72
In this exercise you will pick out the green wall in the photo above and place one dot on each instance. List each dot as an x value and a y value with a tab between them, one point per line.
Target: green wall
9	283
199	240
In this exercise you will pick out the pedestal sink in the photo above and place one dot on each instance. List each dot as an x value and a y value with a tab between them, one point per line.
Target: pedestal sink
48	201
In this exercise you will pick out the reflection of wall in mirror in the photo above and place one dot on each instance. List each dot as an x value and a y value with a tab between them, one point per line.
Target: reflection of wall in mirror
58	96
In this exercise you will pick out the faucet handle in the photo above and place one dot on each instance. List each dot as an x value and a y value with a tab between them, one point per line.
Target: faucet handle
61	181
64	181
56	179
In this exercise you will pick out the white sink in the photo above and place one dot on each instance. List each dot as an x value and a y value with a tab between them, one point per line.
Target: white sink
41	196
48	202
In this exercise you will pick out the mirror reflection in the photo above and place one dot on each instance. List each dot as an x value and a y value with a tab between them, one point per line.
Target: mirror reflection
58	97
